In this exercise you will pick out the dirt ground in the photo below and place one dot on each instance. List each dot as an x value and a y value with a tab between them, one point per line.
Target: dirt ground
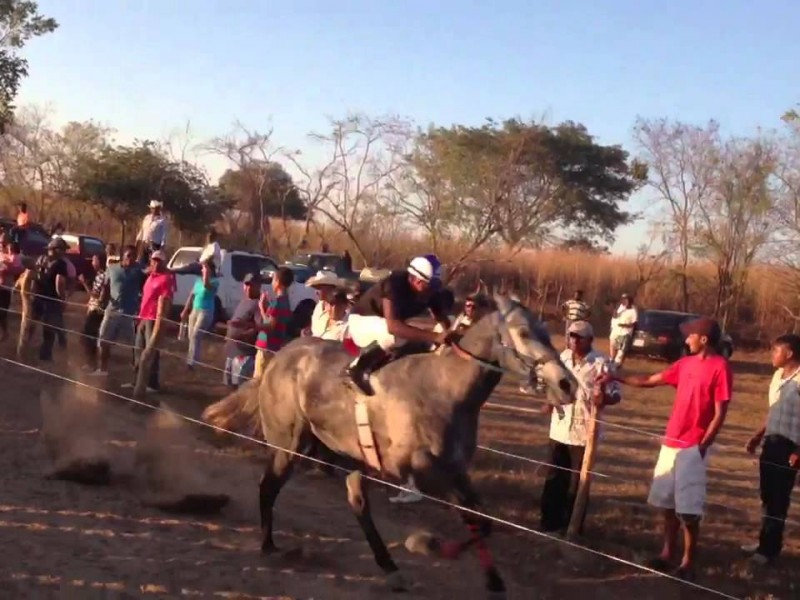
65	540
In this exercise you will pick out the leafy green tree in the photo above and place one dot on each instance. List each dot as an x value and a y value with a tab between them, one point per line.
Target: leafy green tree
19	22
123	179
524	183
263	189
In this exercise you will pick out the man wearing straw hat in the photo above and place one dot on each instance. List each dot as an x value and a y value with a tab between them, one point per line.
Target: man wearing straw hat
328	321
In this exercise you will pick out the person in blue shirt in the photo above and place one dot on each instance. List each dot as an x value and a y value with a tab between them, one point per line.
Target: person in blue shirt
199	310
120	295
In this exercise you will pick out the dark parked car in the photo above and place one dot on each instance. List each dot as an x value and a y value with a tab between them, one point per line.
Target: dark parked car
305	265
34	241
658	335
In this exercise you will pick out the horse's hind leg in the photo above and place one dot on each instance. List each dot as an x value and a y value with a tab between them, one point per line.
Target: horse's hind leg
433	479
359	503
277	473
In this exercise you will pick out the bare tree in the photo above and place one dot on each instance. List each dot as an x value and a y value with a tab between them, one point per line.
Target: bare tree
682	161
365	152
38	161
787	247
314	185
737	218
251	153
650	264
423	200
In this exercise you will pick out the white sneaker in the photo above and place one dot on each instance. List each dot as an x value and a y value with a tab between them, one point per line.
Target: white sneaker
98	373
405	497
750	548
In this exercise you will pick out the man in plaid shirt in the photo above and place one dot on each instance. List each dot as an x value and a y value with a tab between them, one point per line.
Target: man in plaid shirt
574	310
780	454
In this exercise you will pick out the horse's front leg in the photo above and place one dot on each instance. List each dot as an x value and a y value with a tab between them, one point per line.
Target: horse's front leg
455	486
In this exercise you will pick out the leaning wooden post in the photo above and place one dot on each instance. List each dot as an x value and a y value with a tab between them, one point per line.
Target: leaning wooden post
24	284
582	495
145	364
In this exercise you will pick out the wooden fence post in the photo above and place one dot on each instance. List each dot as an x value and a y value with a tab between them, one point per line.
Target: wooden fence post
582	496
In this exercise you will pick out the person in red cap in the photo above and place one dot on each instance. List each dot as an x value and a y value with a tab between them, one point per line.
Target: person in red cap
703	382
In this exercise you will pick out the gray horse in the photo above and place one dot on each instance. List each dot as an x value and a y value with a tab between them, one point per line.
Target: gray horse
423	417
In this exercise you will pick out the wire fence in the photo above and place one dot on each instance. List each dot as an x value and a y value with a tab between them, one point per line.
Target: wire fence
491	405
501	521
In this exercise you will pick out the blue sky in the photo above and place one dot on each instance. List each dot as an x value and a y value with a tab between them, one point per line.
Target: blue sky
145	67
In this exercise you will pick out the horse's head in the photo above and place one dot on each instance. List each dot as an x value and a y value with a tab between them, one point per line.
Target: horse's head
524	346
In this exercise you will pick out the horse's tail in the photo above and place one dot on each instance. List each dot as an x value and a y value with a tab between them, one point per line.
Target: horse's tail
237	412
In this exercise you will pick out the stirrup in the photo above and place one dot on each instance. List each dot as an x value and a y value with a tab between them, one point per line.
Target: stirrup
360	379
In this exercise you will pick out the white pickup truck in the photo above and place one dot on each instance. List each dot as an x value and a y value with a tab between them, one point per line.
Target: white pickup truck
235	264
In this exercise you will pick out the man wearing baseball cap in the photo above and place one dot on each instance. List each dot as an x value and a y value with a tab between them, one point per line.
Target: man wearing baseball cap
157	296
50	289
704	382
569	430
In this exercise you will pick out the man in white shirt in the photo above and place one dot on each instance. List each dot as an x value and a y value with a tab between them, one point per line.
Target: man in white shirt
623	324
211	249
153	232
569	425
780	453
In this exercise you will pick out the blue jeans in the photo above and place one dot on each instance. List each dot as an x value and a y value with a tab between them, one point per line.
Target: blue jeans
199	321
51	315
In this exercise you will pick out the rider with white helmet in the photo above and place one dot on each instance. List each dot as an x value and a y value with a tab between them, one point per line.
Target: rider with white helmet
378	322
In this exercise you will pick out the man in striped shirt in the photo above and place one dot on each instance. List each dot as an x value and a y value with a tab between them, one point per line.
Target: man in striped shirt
277	317
574	310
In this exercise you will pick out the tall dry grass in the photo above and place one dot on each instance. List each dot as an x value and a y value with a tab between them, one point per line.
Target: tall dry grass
546	278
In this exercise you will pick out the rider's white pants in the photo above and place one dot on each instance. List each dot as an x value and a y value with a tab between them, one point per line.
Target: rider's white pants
365	330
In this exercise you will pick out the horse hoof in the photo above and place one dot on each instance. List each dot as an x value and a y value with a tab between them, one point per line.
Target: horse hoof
398	582
423	543
269	549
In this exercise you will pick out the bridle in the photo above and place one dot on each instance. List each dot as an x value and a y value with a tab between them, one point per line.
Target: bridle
506	346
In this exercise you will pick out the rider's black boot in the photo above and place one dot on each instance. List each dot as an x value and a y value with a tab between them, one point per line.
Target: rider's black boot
370	359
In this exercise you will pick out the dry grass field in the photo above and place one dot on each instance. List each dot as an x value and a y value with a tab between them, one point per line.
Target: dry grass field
63	540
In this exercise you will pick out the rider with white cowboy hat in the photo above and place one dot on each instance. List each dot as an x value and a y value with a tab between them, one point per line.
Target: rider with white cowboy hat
153	231
378	322
328	321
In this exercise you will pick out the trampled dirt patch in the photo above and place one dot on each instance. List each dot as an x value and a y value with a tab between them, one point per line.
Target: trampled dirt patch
67	540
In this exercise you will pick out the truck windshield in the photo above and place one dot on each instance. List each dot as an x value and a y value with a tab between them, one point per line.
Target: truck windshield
184	257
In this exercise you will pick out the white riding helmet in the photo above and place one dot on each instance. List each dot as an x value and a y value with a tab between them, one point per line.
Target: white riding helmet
422	268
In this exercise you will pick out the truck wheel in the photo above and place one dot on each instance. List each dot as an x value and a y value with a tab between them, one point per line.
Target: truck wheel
301	318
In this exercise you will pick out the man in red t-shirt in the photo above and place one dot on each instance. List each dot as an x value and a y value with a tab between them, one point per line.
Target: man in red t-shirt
157	294
703	382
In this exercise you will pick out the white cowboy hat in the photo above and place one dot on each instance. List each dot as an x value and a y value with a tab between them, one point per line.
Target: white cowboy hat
323	278
154	204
